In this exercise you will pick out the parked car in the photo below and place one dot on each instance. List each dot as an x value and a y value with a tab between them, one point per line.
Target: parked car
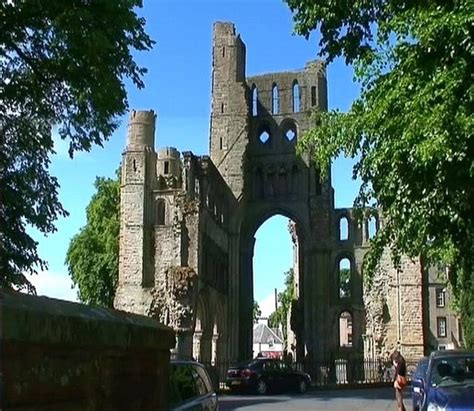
416	383
263	375
190	387
448	383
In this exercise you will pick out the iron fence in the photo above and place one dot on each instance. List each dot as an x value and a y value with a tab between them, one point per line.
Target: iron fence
326	373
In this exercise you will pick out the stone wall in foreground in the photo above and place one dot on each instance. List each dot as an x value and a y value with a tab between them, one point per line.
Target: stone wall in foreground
58	355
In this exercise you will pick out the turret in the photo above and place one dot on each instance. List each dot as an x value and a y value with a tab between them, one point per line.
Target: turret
168	162
136	209
141	130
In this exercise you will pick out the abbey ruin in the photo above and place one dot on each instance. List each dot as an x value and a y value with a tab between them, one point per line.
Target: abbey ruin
188	224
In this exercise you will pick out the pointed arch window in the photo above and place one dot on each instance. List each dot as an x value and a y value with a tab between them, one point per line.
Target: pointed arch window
296	97
343	229
275	99
254	101
344	278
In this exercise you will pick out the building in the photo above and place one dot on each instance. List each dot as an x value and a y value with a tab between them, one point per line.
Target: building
443	327
267	342
188	224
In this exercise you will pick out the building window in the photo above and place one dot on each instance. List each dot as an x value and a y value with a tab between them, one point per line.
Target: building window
345	329
254	101
167	167
371	227
296	97
160	212
344	278
264	136
441	326
275	99
313	96
343	229
440	297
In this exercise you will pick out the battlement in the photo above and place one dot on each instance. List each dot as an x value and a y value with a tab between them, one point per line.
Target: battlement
142	116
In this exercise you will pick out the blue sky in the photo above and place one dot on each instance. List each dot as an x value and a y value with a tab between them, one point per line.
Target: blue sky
178	88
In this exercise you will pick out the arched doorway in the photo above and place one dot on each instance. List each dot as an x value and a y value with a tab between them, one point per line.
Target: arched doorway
297	235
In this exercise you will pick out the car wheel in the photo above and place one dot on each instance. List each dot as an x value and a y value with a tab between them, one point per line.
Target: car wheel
302	386
261	387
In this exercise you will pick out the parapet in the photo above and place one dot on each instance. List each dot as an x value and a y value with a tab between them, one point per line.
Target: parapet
141	129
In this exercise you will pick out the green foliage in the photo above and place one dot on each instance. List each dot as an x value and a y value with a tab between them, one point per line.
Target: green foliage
62	63
257	312
411	128
344	282
92	256
280	316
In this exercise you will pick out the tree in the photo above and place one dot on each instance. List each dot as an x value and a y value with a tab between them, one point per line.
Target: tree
62	64
92	256
344	282
257	312
411	128
280	315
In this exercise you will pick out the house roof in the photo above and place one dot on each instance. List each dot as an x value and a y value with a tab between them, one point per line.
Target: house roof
263	334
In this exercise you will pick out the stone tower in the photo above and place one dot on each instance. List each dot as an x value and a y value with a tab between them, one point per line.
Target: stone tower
230	111
138	178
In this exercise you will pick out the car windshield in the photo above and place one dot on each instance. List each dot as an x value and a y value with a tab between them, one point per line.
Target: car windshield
421	368
452	370
249	364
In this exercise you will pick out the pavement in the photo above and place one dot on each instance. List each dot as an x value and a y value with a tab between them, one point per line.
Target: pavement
361	399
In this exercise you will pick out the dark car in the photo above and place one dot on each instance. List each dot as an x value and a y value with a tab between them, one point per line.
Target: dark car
417	383
263	375
448	383
190	387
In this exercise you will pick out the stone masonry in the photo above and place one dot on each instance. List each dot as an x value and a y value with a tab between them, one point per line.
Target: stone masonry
188	224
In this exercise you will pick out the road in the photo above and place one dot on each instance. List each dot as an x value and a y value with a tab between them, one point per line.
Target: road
374	399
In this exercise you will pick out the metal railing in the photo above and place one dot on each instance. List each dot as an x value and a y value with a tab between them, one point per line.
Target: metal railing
325	373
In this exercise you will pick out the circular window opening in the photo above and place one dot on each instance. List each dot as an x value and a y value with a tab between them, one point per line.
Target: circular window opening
290	134
264	136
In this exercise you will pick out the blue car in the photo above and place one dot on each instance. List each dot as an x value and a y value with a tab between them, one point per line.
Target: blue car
417	383
448	383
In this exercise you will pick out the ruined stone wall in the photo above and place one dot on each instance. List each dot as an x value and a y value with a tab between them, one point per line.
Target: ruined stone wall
394	309
188	222
229	116
57	355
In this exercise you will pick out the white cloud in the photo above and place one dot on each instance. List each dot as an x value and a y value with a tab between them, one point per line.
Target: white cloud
267	305
54	285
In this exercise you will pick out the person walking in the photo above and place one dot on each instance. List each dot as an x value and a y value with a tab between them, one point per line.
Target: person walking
400	378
